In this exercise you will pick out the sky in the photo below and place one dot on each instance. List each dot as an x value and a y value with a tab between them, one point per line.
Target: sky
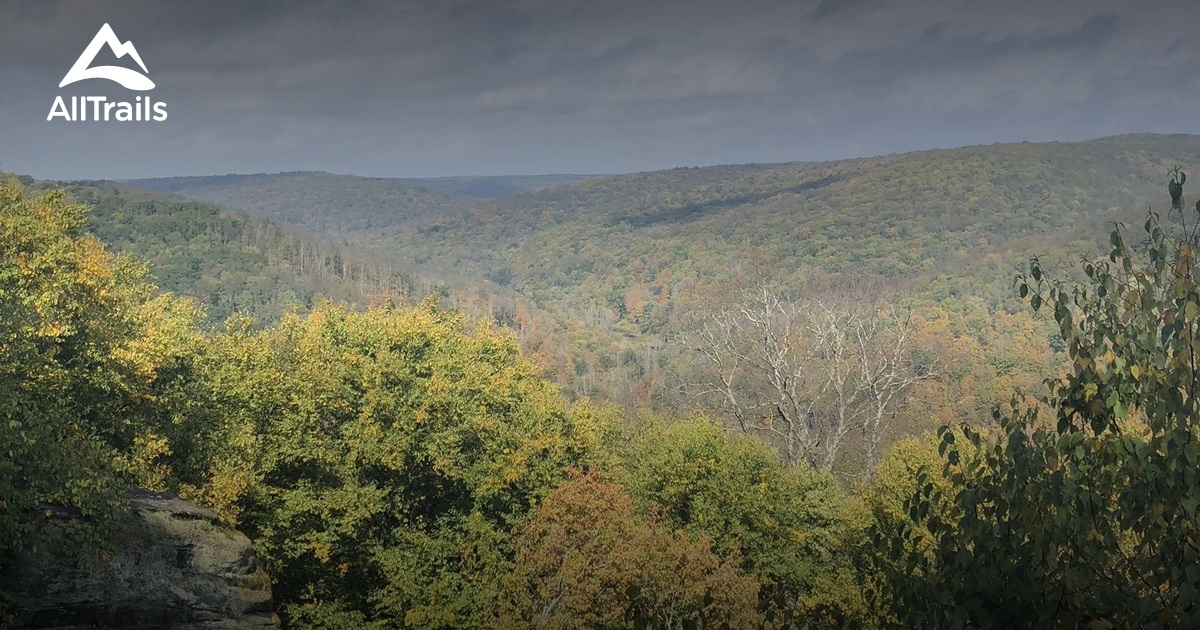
439	88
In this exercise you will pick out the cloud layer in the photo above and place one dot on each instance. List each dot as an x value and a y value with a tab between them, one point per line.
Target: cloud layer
532	86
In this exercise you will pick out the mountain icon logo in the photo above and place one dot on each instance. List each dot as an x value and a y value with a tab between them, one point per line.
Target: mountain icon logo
130	79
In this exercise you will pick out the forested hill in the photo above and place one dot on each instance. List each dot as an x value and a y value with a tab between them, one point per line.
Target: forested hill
497	186
609	267
404	467
626	241
595	275
229	261
318	201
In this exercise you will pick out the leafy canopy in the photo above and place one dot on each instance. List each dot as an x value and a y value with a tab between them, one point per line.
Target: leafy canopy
1092	518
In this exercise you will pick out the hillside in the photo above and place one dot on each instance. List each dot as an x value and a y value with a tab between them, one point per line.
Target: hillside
318	201
957	216
229	261
597	275
398	464
497	186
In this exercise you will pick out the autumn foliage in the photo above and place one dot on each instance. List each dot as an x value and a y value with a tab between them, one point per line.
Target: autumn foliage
586	559
406	467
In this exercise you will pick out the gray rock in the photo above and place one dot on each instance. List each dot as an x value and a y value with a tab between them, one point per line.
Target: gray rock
174	566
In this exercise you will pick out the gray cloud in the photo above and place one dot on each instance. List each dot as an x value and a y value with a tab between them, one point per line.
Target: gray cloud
426	87
1091	36
829	8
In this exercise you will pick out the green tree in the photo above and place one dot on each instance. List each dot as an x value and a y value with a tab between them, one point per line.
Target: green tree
380	458
1094	518
884	505
84	348
788	523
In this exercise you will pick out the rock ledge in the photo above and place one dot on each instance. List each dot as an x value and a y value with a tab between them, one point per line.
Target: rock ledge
175	566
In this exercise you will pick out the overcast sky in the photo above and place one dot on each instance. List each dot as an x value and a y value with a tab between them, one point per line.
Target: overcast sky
436	88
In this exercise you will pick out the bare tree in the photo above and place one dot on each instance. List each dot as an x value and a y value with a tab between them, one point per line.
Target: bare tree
809	377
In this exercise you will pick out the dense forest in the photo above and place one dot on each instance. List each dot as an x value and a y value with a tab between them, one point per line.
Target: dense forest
948	389
320	201
609	282
232	262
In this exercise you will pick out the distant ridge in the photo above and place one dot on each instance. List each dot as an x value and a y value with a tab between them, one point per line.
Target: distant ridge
473	186
970	214
497	186
316	200
632	259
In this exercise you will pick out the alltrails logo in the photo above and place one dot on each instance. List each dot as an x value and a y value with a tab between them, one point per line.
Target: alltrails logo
100	108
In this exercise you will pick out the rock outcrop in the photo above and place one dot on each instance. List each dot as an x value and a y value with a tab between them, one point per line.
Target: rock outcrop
174	565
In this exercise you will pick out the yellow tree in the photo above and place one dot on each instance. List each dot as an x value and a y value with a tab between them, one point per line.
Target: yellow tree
76	363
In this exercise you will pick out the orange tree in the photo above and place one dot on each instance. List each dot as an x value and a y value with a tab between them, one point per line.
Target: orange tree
585	559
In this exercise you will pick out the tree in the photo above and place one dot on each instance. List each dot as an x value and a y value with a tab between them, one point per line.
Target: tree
809	377
787	523
1093	518
67	367
376	456
909	463
585	559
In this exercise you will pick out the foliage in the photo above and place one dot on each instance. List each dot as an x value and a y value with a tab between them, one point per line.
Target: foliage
598	274
232	262
401	467
366	451
586	560
696	234
895	537
787	523
83	351
318	201
1092	520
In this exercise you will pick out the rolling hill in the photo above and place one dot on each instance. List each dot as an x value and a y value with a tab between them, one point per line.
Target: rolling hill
596	275
619	242
229	261
497	186
321	202
959	217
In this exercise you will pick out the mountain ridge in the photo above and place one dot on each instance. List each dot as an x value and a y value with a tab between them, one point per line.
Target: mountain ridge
692	230
317	200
